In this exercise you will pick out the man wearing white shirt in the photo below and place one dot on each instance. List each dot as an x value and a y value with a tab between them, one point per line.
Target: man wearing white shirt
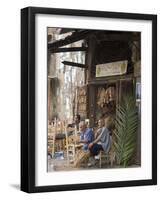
101	143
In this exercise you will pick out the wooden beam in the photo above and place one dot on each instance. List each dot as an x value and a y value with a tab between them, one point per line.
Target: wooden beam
74	64
71	49
66	30
118	37
111	79
76	36
100	36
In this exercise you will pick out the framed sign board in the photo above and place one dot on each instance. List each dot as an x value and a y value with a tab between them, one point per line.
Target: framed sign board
63	50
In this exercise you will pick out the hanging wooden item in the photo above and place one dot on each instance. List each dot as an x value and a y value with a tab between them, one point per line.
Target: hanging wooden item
105	96
82	101
101	98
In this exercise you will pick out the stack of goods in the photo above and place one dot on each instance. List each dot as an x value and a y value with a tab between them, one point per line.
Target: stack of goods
101	97
111	93
51	139
105	96
56	137
82	100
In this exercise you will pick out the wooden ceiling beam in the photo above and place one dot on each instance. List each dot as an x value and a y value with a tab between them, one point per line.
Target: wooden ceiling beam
71	49
74	64
118	37
75	37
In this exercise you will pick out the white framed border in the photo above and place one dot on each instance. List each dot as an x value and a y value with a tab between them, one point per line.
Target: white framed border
42	177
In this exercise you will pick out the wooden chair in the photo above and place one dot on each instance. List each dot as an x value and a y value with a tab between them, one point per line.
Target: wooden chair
71	146
105	155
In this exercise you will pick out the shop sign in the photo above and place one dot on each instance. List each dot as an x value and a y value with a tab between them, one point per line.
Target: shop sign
111	69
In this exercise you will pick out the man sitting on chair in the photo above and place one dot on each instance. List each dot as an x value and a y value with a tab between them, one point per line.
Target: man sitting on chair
86	135
101	143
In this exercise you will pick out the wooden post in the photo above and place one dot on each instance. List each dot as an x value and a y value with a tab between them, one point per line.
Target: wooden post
54	134
92	105
66	136
90	63
75	134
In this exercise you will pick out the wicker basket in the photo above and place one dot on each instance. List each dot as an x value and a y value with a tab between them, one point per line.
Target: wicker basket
81	156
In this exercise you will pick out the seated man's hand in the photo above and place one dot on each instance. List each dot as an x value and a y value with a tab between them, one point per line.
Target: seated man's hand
90	145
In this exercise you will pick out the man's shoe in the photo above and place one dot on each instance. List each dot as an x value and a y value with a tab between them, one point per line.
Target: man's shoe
97	157
91	162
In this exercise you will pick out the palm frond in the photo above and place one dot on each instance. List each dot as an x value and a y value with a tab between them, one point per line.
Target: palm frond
126	125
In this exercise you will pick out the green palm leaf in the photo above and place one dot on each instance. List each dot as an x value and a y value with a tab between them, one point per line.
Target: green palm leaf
125	133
